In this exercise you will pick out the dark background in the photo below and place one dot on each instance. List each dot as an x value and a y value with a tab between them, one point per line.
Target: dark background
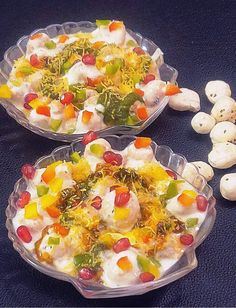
198	38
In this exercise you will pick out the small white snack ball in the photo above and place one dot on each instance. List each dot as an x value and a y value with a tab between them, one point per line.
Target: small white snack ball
204	169
223	155
223	132
215	89
187	100
203	123
224	109
189	172
153	91
228	186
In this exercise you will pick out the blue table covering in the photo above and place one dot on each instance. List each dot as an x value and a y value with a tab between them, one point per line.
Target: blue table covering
198	38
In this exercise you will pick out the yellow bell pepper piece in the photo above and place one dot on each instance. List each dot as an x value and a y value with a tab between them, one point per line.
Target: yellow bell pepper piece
190	193
55	185
31	211
35	103
5	91
121	213
48	200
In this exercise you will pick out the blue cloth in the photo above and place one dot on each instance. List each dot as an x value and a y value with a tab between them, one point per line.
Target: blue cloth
198	38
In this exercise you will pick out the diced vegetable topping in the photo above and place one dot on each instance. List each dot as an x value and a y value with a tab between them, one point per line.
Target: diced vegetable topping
139	92
48	200
63	38
5	91
172	89
112	158
75	157
53	211
42	190
59	229
121	213
50	45
149	78
115	25
142	142
122	245
142	113
86	116
43	110
124	264
187	198
53	240
146	277
97	149
201	203
55	185
23	199
49	173
139	51
69	112
102	22
191	222
55	124
186	239
89	137
36	36
24	234
67	98
31	211
28	171
172	190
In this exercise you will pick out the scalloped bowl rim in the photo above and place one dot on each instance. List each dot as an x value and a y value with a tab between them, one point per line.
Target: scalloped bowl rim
119	129
84	287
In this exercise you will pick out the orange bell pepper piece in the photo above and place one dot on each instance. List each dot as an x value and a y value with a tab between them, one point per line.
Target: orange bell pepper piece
44	110
69	112
36	36
86	116
185	200
98	44
63	38
172	89
20	74
142	142
58	228
115	25
125	264
93	82
142	113
139	92
53	211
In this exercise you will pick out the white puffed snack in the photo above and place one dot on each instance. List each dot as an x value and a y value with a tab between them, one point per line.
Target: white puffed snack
203	123
224	109
204	169
215	89
228	186
223	132
223	155
187	100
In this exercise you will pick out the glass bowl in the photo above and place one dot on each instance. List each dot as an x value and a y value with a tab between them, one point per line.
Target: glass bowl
167	73
184	265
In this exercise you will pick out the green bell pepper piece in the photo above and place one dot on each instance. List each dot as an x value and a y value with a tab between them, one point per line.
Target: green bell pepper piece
102	22
55	124
172	190
42	190
191	222
75	157
97	149
50	45
53	241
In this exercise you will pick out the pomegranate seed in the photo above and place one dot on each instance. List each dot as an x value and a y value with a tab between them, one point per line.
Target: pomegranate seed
146	277
28	171
112	158
122	199
149	78
24	234
186	239
29	97
97	202
201	203
88	59
86	273
121	245
139	51
67	98
172	174
23	199
35	62
89	137
27	106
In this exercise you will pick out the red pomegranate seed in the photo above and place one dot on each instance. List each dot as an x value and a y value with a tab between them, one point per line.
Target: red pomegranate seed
121	245
172	174
35	61
89	137
27	106
24	234
112	158
28	171
139	51
122	199
67	98
201	203
89	59
23	199
86	273
149	78
146	277
186	239
96	202
29	97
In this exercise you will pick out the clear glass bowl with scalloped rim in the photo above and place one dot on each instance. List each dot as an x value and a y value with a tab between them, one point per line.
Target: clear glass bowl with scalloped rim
167	73
183	266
